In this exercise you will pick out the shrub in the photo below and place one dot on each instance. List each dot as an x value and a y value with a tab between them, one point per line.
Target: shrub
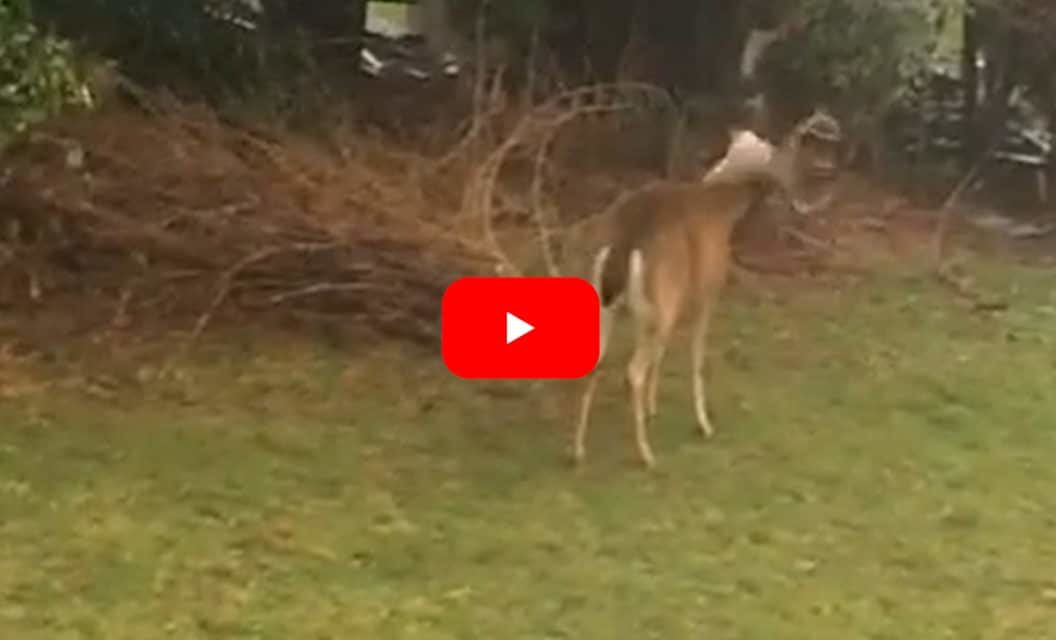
39	73
858	55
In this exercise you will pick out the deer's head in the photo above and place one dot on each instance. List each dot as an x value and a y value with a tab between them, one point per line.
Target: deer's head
807	163
805	166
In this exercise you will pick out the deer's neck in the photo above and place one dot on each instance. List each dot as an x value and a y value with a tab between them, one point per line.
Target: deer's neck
753	195
783	170
726	206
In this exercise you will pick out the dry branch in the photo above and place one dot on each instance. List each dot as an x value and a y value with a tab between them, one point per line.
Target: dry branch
537	129
946	213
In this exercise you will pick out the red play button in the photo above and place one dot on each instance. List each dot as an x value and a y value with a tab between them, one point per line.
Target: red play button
520	327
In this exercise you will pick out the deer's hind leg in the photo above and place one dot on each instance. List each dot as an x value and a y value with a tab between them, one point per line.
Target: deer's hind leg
699	356
654	323
707	297
608	317
654	376
587	400
638	372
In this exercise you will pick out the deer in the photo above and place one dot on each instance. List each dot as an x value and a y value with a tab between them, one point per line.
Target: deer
670	249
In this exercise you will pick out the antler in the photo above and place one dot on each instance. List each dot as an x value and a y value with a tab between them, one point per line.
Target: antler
820	124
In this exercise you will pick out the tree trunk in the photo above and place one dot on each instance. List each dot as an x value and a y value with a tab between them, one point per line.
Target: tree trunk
1051	113
970	84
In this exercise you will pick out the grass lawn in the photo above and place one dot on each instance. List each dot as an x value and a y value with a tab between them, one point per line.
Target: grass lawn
885	468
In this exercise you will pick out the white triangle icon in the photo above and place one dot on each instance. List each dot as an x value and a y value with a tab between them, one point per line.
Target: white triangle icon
516	328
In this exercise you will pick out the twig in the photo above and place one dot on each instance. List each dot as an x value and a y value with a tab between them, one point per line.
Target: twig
209	216
120	317
965	288
808	239
226	282
538	208
316	289
161	239
945	225
541	123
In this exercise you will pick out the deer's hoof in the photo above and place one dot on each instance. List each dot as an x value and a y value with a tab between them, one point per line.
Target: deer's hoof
704	427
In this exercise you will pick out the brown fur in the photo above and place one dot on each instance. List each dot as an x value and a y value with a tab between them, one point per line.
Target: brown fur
663	217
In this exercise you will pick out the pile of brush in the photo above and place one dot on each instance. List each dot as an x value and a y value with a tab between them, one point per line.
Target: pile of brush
165	211
174	212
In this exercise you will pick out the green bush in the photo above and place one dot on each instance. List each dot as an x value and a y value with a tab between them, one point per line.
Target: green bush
186	47
38	72
857	55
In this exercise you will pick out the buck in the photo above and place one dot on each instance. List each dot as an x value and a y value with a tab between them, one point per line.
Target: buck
670	251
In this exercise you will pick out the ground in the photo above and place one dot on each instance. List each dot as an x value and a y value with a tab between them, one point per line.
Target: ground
882	469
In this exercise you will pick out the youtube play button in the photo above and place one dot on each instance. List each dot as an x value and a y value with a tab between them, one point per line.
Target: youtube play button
515	327
519	328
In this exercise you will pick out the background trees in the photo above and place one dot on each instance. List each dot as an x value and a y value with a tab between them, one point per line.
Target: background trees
872	61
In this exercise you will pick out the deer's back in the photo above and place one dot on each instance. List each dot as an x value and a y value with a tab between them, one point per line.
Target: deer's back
679	228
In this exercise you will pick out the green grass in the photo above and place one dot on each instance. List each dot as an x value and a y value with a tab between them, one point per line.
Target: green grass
885	468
